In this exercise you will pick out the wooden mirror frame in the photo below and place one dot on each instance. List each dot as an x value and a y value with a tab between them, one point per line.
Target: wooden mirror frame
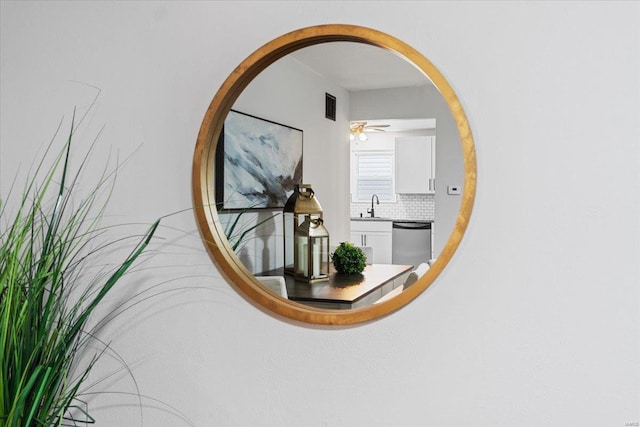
212	232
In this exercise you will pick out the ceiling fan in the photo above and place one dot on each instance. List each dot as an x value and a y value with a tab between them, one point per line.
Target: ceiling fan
358	130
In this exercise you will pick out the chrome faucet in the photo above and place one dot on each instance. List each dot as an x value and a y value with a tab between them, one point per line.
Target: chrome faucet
371	211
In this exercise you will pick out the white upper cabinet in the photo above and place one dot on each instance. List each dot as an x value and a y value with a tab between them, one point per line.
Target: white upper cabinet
416	165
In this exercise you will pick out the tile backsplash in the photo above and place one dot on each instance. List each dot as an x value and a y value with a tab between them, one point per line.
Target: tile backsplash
406	207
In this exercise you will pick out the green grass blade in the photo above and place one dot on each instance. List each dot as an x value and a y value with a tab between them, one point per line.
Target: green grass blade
47	293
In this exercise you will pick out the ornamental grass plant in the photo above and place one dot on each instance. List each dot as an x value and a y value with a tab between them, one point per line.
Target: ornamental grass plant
237	227
52	247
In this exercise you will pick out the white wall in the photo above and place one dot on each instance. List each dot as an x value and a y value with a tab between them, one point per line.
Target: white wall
535	321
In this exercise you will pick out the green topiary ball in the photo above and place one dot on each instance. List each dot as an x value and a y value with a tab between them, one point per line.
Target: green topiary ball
349	259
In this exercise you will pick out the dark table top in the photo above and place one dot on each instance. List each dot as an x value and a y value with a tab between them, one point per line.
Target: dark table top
346	290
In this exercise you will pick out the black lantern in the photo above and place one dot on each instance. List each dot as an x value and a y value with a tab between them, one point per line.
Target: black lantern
311	251
300	204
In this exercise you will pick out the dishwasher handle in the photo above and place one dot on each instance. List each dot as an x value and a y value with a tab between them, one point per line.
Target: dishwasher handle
412	225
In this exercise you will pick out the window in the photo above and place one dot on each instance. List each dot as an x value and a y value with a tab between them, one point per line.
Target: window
374	174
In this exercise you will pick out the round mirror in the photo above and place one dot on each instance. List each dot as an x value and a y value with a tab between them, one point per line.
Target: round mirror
280	173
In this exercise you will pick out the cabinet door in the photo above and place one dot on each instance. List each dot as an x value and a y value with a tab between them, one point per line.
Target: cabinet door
375	234
415	165
357	239
381	244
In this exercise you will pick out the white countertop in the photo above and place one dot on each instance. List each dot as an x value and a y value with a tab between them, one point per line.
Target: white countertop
368	218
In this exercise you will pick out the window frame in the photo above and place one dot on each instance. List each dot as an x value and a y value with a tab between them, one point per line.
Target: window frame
355	170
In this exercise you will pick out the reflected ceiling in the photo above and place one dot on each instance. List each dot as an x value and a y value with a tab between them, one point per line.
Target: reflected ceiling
356	66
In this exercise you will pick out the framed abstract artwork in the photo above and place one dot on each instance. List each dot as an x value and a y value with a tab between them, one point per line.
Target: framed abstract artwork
258	163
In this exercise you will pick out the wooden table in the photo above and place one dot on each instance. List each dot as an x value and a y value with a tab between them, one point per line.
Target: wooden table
345	291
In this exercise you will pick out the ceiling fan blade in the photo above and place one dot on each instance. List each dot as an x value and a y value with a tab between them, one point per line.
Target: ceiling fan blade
364	127
377	126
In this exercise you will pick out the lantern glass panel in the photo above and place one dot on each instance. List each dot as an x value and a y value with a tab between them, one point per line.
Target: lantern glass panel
302	256
288	228
312	250
319	260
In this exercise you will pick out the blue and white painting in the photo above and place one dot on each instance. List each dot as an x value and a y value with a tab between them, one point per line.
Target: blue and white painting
262	162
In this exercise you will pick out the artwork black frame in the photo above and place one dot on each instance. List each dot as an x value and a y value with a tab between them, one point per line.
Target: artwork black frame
258	162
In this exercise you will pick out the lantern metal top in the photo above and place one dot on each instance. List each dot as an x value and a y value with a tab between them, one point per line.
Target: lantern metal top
312	228
303	201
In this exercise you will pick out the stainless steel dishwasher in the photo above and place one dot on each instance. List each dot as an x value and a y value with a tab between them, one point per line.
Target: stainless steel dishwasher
411	242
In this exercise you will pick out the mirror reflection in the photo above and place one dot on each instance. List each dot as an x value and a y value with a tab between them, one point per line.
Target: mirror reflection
367	137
